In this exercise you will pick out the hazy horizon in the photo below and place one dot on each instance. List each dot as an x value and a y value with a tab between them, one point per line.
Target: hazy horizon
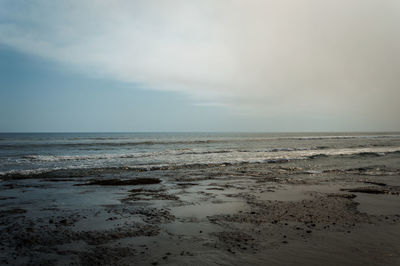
200	132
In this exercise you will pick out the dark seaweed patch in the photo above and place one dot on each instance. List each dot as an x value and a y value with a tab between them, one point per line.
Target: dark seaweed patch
375	183
375	190
119	182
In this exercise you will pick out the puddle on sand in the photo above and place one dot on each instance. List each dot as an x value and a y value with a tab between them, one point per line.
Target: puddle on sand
202	210
64	196
378	204
283	195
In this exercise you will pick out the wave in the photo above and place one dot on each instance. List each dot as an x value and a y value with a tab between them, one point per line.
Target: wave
29	172
231	158
55	158
376	151
121	142
73	171
110	144
275	153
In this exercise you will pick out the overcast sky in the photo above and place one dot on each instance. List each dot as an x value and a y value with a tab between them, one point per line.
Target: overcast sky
305	65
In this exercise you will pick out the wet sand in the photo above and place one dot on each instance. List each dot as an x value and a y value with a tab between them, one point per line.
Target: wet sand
253	214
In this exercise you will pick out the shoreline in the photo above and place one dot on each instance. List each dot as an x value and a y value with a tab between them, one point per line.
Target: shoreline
279	214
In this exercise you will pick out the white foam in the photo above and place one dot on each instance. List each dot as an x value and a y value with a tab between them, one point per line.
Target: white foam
177	158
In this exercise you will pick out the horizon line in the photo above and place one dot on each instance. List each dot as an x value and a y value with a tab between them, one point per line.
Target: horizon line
211	131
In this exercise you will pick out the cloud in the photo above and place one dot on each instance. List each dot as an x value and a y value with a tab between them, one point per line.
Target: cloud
281	57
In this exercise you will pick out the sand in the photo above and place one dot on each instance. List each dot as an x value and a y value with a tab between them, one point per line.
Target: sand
255	214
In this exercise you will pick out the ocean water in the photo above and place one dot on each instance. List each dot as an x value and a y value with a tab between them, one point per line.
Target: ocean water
27	153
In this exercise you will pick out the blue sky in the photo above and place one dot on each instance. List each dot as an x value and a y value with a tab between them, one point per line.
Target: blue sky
40	95
199	66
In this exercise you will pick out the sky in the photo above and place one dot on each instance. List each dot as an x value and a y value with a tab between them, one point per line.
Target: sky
183	65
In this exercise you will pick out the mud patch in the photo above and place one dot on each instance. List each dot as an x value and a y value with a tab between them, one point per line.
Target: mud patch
324	210
236	241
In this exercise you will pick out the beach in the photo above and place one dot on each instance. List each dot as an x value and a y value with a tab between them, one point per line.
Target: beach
210	133
200	199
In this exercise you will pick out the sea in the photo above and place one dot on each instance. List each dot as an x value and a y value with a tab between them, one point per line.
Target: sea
36	153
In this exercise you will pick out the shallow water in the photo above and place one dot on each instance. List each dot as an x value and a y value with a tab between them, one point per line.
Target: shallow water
378	204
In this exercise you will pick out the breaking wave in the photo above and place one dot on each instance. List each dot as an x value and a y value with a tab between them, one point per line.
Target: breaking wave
275	153
178	159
